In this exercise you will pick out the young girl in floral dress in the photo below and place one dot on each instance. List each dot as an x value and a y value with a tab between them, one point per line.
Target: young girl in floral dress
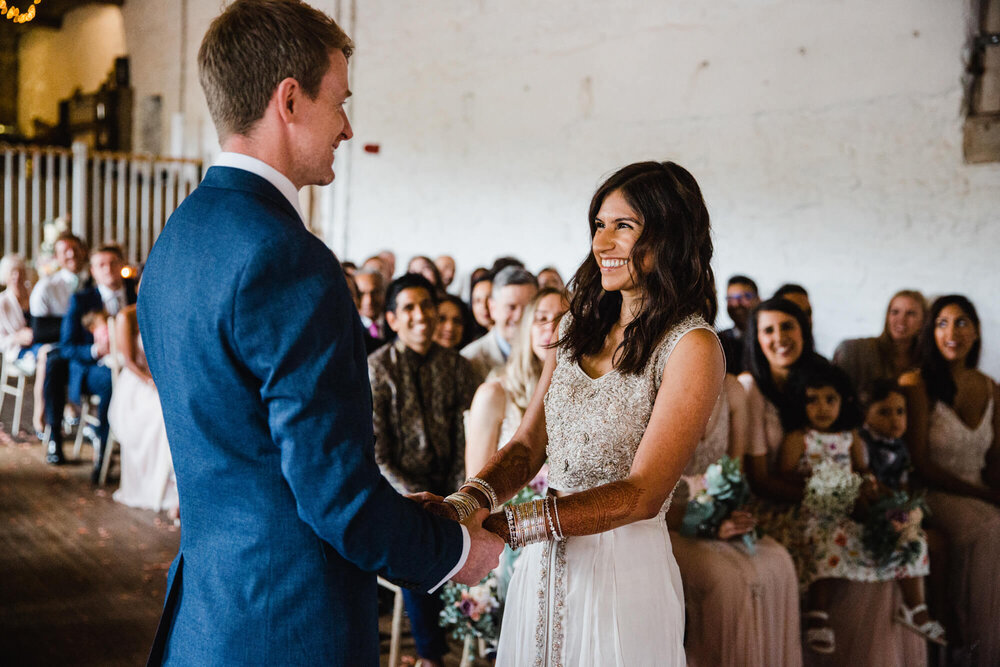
831	548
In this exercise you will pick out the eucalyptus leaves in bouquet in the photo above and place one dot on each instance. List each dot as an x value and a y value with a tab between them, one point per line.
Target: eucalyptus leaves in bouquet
892	534
714	497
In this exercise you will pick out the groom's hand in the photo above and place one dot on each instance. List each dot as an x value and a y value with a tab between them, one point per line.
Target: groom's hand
484	551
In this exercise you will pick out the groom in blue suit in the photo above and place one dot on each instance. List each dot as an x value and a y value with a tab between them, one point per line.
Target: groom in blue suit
259	357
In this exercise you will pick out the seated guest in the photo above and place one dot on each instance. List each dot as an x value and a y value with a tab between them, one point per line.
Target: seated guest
371	302
446	268
424	266
419	392
549	277
16	337
894	351
798	295
48	304
77	346
500	402
350	268
147	477
50	297
954	438
512	289
452	324
750	600
479	302
742	296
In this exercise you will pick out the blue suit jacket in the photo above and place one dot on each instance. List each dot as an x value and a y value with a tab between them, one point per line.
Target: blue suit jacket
75	340
259	358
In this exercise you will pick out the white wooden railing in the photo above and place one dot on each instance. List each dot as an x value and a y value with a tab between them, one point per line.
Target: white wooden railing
109	197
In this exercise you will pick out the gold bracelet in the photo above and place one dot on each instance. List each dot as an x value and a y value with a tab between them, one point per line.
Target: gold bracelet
483	486
465	504
560	536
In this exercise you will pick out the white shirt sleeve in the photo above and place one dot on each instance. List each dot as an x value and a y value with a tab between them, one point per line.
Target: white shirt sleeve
466	546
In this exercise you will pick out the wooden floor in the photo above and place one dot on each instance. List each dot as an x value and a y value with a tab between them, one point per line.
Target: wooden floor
82	577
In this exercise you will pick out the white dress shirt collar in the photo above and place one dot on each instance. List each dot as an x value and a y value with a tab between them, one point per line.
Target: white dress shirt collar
265	171
110	296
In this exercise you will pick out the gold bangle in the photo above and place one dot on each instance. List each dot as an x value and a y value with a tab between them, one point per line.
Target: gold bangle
465	505
483	487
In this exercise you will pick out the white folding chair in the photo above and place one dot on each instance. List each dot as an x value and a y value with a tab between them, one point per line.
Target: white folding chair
397	620
12	370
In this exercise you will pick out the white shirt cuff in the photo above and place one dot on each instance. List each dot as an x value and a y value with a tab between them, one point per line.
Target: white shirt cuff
466	545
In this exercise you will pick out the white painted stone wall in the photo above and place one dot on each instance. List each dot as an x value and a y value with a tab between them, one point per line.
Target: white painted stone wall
826	135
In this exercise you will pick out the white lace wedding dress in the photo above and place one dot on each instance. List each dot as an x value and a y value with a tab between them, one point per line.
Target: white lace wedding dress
614	598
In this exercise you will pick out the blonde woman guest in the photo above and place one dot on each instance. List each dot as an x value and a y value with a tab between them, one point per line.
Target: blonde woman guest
16	335
954	437
500	402
136	419
742	608
891	353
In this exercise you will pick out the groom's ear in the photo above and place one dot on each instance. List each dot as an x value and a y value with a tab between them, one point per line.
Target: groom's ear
285	98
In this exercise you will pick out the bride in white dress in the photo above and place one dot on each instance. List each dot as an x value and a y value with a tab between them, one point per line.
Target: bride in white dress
619	409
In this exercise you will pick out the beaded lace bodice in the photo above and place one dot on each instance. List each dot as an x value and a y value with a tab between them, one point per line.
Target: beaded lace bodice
594	426
957	448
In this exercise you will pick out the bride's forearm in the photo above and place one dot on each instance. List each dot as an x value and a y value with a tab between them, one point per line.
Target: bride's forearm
596	510
507	472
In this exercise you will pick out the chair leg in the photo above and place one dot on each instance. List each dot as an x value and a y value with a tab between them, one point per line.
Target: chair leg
109	449
18	404
84	413
3	385
397	627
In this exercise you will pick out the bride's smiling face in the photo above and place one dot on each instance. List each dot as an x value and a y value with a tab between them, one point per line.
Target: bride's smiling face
617	227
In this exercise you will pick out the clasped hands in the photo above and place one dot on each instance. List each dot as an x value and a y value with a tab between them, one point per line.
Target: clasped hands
487	536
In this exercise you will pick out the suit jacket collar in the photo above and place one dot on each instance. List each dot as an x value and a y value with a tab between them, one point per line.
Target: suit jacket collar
231	178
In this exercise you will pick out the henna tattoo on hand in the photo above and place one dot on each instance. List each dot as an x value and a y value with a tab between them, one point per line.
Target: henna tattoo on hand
497	523
599	509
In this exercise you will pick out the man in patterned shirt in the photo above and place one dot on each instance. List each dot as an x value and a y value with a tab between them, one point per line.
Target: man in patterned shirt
419	393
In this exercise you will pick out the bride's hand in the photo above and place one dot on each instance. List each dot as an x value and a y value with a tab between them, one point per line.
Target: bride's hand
737	524
497	523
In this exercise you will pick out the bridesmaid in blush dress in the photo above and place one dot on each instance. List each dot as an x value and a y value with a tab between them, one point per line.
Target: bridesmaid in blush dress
749	600
954	438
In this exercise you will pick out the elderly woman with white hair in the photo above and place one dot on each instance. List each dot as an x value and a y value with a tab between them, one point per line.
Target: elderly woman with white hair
17	340
16	337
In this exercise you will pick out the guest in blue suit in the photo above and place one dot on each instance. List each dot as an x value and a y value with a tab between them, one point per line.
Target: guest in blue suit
258	354
75	366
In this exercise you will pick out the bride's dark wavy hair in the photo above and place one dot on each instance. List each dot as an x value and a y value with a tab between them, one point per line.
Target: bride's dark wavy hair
676	236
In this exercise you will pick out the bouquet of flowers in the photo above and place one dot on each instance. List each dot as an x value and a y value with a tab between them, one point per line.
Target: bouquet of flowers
831	490
891	533
714	497
471	611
